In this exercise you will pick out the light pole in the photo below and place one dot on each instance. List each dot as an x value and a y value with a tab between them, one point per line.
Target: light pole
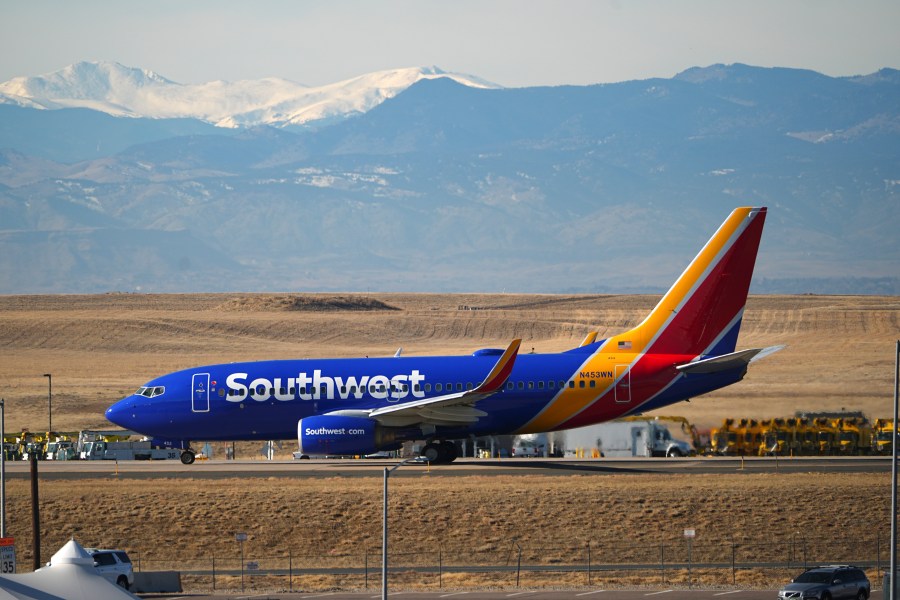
2	469
893	587
384	528
49	401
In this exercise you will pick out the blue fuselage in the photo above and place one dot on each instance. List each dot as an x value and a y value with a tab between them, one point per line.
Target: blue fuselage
265	400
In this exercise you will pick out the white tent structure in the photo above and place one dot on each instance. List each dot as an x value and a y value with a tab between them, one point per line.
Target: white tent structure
70	575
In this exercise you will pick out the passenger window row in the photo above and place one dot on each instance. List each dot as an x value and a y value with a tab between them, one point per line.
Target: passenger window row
438	387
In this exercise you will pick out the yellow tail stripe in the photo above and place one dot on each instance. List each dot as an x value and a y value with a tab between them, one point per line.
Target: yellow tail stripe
572	401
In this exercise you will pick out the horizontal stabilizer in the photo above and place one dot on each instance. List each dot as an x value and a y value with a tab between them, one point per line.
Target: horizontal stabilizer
726	362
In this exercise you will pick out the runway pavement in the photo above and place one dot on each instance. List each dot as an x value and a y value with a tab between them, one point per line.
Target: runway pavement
215	469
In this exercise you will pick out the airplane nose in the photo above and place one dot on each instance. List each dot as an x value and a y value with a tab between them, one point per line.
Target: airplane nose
121	413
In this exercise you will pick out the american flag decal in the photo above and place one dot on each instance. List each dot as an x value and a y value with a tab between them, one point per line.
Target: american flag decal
624	345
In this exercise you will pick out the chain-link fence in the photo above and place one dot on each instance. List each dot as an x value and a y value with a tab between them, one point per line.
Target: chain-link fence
738	562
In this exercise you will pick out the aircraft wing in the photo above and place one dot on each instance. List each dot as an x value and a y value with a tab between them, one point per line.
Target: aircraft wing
727	361
451	409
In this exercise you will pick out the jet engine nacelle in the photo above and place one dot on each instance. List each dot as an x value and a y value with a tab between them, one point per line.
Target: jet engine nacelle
339	435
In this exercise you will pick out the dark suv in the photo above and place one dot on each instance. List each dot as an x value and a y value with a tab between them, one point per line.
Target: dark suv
828	583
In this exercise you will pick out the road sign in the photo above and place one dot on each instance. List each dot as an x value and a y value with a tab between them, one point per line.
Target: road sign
689	533
241	537
7	556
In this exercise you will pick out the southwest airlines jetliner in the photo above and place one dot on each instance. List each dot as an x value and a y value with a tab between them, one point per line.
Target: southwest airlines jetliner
685	347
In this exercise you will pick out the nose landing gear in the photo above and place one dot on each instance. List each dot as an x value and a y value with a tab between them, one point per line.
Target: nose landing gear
187	457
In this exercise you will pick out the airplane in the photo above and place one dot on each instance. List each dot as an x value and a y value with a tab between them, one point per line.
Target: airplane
685	347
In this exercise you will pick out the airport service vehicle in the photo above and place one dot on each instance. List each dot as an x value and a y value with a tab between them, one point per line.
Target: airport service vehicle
628	437
35	448
60	450
854	436
527	449
113	565
685	347
723	441
535	445
778	438
832	582
101	450
883	438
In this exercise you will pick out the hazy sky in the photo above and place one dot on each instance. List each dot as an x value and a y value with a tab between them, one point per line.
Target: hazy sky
513	43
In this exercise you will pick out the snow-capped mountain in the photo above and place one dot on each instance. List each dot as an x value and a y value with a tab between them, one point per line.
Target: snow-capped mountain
123	91
447	187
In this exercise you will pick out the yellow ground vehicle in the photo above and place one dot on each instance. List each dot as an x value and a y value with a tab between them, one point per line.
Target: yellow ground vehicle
798	426
826	436
32	444
815	434
11	447
883	436
736	437
807	438
854	436
778	438
749	435
724	440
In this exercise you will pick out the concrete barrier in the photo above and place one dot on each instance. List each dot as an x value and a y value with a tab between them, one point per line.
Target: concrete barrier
157	582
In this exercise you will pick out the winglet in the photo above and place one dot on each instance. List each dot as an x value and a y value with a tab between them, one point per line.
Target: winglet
494	382
501	371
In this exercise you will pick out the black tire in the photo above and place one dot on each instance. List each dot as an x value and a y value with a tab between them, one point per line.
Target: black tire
825	596
450	453
439	453
862	595
122	582
187	457
432	452
674	453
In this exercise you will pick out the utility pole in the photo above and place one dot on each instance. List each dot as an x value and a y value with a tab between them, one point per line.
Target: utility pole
2	468
893	572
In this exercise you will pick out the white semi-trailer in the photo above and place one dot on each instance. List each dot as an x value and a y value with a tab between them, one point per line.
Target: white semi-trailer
625	438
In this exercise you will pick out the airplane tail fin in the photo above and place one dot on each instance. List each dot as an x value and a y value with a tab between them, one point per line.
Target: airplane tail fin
701	314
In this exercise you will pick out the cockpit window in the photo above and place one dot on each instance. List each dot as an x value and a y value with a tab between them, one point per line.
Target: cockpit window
150	392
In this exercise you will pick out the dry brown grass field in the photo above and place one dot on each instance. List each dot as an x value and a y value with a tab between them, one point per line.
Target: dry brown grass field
840	355
183	523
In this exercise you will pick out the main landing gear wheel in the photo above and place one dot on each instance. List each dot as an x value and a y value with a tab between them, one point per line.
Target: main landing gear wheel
187	457
439	453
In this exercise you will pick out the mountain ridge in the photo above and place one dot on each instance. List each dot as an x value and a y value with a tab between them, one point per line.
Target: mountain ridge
121	91
447	187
